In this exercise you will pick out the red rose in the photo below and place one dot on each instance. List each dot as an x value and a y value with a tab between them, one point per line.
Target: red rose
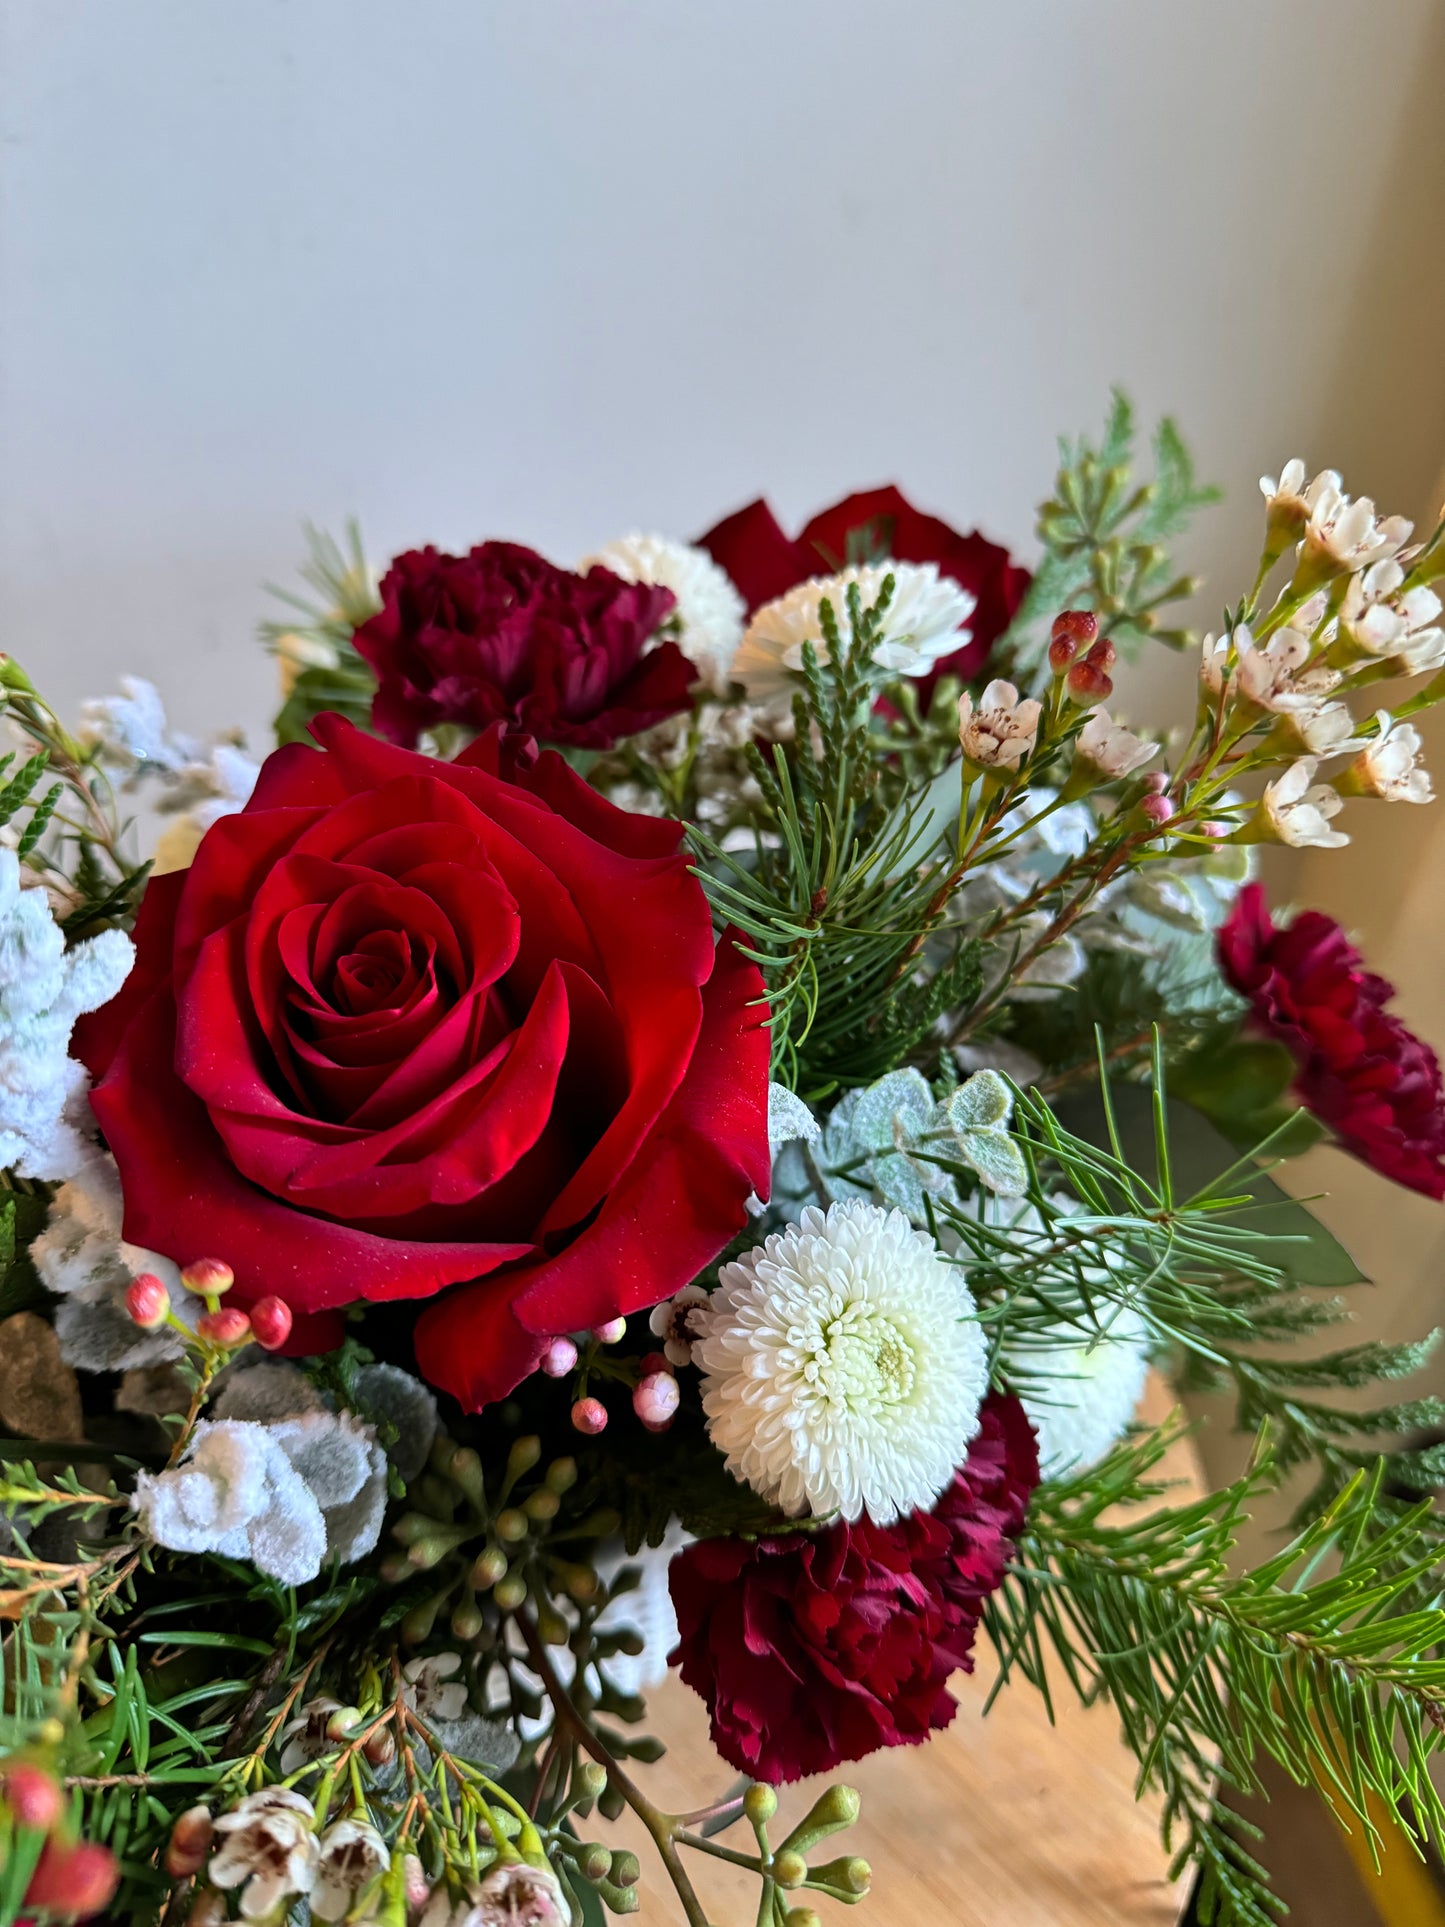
815	1648
405	1023
764	563
1361	1072
501	635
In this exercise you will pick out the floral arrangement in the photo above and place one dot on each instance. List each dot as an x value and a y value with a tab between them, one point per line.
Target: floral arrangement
667	1124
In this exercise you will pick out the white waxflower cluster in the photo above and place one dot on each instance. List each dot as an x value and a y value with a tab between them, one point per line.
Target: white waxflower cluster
44	1127
843	1365
1000	732
709	614
278	1478
202	781
85	1260
514	1895
926	620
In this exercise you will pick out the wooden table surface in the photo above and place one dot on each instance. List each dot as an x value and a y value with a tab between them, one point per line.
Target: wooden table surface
998	1822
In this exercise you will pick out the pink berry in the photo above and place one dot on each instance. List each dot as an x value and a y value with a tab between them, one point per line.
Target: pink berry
590	1415
228	1327
656	1398
208	1277
147	1301
559	1358
32	1795
76	1880
611	1332
270	1322
1157	808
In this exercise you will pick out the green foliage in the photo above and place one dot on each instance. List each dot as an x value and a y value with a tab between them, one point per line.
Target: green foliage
1321	1659
1104	539
22	1219
316	636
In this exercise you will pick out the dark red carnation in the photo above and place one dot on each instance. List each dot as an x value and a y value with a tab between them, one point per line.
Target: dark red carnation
502	635
1359	1069
406	1025
764	563
815	1648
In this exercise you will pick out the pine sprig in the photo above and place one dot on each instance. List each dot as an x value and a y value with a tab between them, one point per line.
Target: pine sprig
1336	1678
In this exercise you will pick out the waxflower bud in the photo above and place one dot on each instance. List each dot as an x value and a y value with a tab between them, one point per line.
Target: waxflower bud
208	1909
1078	626
208	1277
1102	654
654	1362
190	1842
230	1326
32	1795
1088	685
559	1358
379	1746
655	1399
147	1301
1158	809
611	1332
343	1721
414	1881
1157	781
589	1415
271	1322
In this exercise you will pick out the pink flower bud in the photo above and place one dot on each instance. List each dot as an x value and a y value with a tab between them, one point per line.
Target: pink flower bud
208	1277
654	1362
1157	782
189	1843
76	1880
1103	655
270	1322
32	1795
1079	626
559	1358
656	1398
147	1301
590	1415
229	1326
1088	685
1215	829
611	1332
1157	808
414	1878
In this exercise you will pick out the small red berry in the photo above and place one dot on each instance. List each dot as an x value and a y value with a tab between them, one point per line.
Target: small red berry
147	1300
32	1795
76	1880
208	1277
229	1326
270	1322
590	1415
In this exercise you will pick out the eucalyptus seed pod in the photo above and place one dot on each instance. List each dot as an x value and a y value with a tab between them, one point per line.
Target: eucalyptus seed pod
851	1874
512	1525
626	1868
589	1782
561	1475
525	1453
594	1861
760	1803
511	1592
790	1869
619	1900
542	1505
836	1808
610	1803
489	1566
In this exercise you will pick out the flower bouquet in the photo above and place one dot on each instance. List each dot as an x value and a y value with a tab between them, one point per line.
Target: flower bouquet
666	1125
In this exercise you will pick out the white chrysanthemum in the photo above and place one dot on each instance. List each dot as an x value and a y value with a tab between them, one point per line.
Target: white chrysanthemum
844	1365
926	620
1083	1390
710	611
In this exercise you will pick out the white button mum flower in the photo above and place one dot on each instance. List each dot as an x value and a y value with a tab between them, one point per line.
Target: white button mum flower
710	612
844	1365
1083	1388
926	620
1390	766
270	1851
1002	731
1297	810
1113	750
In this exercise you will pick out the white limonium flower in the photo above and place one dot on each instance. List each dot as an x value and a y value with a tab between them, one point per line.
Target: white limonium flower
1112	750
1389	765
1296	810
44	1130
1002	731
131	731
926	620
270	1850
1084	1387
844	1366
710	613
